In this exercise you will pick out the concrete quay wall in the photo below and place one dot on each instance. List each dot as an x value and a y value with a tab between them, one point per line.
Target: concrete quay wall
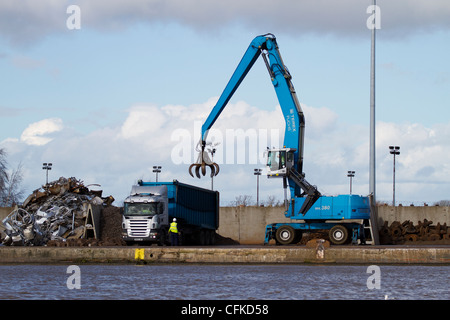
224	255
247	225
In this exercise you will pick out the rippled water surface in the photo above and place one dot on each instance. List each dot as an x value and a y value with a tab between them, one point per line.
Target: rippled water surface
225	282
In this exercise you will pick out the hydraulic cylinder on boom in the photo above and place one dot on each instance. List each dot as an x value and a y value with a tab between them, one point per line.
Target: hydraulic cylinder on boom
286	162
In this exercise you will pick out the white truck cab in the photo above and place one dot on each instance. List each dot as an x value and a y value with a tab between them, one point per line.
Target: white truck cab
145	215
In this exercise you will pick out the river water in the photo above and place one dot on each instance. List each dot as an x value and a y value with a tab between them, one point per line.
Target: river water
224	282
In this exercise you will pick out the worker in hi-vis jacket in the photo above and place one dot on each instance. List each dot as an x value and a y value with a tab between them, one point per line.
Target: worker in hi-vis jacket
173	231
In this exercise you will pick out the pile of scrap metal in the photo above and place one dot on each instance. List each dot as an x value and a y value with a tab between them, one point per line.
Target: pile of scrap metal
60	210
424	230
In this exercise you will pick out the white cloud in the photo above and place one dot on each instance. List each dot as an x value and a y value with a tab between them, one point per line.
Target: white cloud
35	133
116	157
424	152
319	120
25	62
28	21
347	17
143	122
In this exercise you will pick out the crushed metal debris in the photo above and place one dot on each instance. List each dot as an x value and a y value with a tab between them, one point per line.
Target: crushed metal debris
407	231
63	211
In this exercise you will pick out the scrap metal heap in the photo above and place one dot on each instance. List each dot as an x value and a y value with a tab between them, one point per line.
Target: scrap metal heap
59	211
398	233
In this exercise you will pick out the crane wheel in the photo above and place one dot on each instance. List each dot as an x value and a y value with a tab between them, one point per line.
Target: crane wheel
285	235
338	234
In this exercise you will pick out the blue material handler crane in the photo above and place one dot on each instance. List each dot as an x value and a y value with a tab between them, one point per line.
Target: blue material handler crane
344	216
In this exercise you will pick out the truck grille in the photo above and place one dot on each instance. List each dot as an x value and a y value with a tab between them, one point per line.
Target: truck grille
139	227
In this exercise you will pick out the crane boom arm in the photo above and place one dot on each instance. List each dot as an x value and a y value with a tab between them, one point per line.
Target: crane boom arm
281	80
267	46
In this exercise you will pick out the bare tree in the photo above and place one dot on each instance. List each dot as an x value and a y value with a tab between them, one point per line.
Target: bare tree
3	171
243	200
11	191
442	203
272	201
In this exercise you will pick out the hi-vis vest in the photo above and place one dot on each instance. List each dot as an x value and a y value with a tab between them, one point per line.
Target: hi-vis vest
173	227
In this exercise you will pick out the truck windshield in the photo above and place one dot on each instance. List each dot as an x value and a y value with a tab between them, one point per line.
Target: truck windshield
143	209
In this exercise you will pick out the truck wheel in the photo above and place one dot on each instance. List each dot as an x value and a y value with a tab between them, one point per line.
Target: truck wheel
338	234
202	238
208	237
285	235
181	238
212	235
163	239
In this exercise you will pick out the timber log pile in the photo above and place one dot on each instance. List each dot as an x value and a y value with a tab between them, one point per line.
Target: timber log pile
407	231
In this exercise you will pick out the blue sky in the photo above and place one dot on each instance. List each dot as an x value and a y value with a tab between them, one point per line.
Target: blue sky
102	103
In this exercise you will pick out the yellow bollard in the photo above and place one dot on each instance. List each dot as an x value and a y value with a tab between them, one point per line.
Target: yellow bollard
139	254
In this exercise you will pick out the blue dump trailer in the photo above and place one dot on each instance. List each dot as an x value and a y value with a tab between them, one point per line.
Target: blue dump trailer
152	206
345	217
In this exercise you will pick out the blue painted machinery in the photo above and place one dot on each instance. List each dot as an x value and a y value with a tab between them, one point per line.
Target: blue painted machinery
345	216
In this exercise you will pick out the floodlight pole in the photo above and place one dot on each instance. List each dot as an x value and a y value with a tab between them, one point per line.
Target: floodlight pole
395	150
46	166
257	173
156	169
350	174
372	189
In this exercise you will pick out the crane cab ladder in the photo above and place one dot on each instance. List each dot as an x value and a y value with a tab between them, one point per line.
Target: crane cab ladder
363	234
370	225
370	230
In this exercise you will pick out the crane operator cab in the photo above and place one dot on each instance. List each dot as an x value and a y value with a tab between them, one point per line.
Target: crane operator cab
279	161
